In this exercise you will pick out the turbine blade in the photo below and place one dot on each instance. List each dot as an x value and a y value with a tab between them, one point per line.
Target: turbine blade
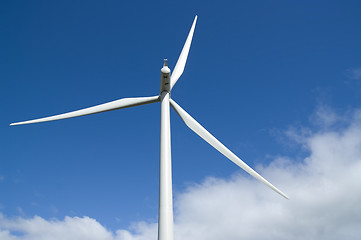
114	105
179	67
203	133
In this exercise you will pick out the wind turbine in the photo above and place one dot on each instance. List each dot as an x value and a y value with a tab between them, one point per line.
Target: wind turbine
167	82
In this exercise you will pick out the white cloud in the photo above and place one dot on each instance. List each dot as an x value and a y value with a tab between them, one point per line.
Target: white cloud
139	231
324	117
325	191
37	228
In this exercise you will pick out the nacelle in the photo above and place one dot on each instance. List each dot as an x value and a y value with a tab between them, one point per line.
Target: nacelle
165	77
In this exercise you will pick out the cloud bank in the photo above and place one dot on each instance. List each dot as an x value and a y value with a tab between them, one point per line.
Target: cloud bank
325	191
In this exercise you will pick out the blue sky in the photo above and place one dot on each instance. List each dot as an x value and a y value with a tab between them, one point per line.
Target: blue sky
256	70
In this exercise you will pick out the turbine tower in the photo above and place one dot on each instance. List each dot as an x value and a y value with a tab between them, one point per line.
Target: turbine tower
167	82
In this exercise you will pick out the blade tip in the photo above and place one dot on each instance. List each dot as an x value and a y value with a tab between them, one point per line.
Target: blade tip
285	196
18	123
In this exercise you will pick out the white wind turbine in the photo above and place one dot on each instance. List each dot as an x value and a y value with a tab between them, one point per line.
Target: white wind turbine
167	81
